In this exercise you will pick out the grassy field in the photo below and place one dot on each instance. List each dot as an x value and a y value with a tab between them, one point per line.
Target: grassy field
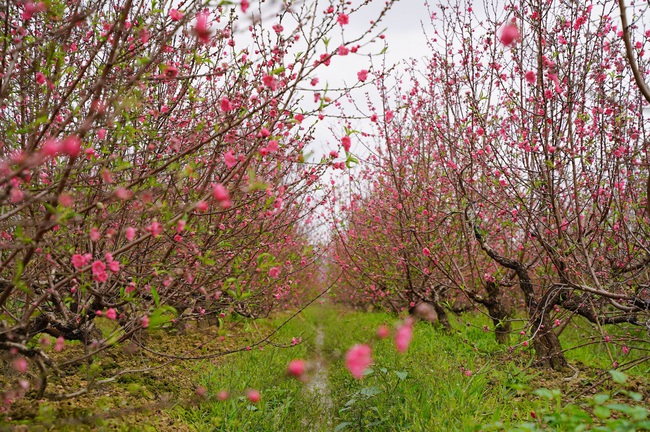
454	381
446	381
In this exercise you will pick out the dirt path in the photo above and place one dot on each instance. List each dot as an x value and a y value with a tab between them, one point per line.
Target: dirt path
318	388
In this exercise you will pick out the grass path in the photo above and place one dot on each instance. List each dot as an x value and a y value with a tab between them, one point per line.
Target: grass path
318	386
423	389
456	381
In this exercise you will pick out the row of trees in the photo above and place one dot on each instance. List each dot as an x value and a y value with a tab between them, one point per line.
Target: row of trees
510	174
153	165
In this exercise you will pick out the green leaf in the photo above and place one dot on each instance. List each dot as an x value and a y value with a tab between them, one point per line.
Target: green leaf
636	397
547	394
601	398
617	376
156	297
401	375
370	391
351	161
602	412
342	426
161	316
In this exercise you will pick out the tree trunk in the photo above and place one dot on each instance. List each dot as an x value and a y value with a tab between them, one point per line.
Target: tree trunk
499	313
548	350
502	325
443	319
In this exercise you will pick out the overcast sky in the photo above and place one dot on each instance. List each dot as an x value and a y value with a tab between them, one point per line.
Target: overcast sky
405	38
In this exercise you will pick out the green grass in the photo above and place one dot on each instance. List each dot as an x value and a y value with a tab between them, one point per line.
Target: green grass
422	389
426	388
284	403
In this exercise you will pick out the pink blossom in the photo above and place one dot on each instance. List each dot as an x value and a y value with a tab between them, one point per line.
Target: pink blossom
530	77
272	146
51	148
30	9
94	234
509	34
123	193
114	266
274	272
101	133
426	251
625	350
345	142
357	359
40	78
253	396
130	233
223	395
244	5
78	260
20	364
175	15
296	368
66	200
59	344
202	27
220	194
230	159
270	82
278	28
171	71
201	206
383	332
556	81
99	271
180	225
71	146
226	105
343	50
403	337
343	19
144	321
362	75
155	229
111	314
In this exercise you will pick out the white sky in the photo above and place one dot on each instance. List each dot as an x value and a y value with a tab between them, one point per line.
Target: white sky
405	38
